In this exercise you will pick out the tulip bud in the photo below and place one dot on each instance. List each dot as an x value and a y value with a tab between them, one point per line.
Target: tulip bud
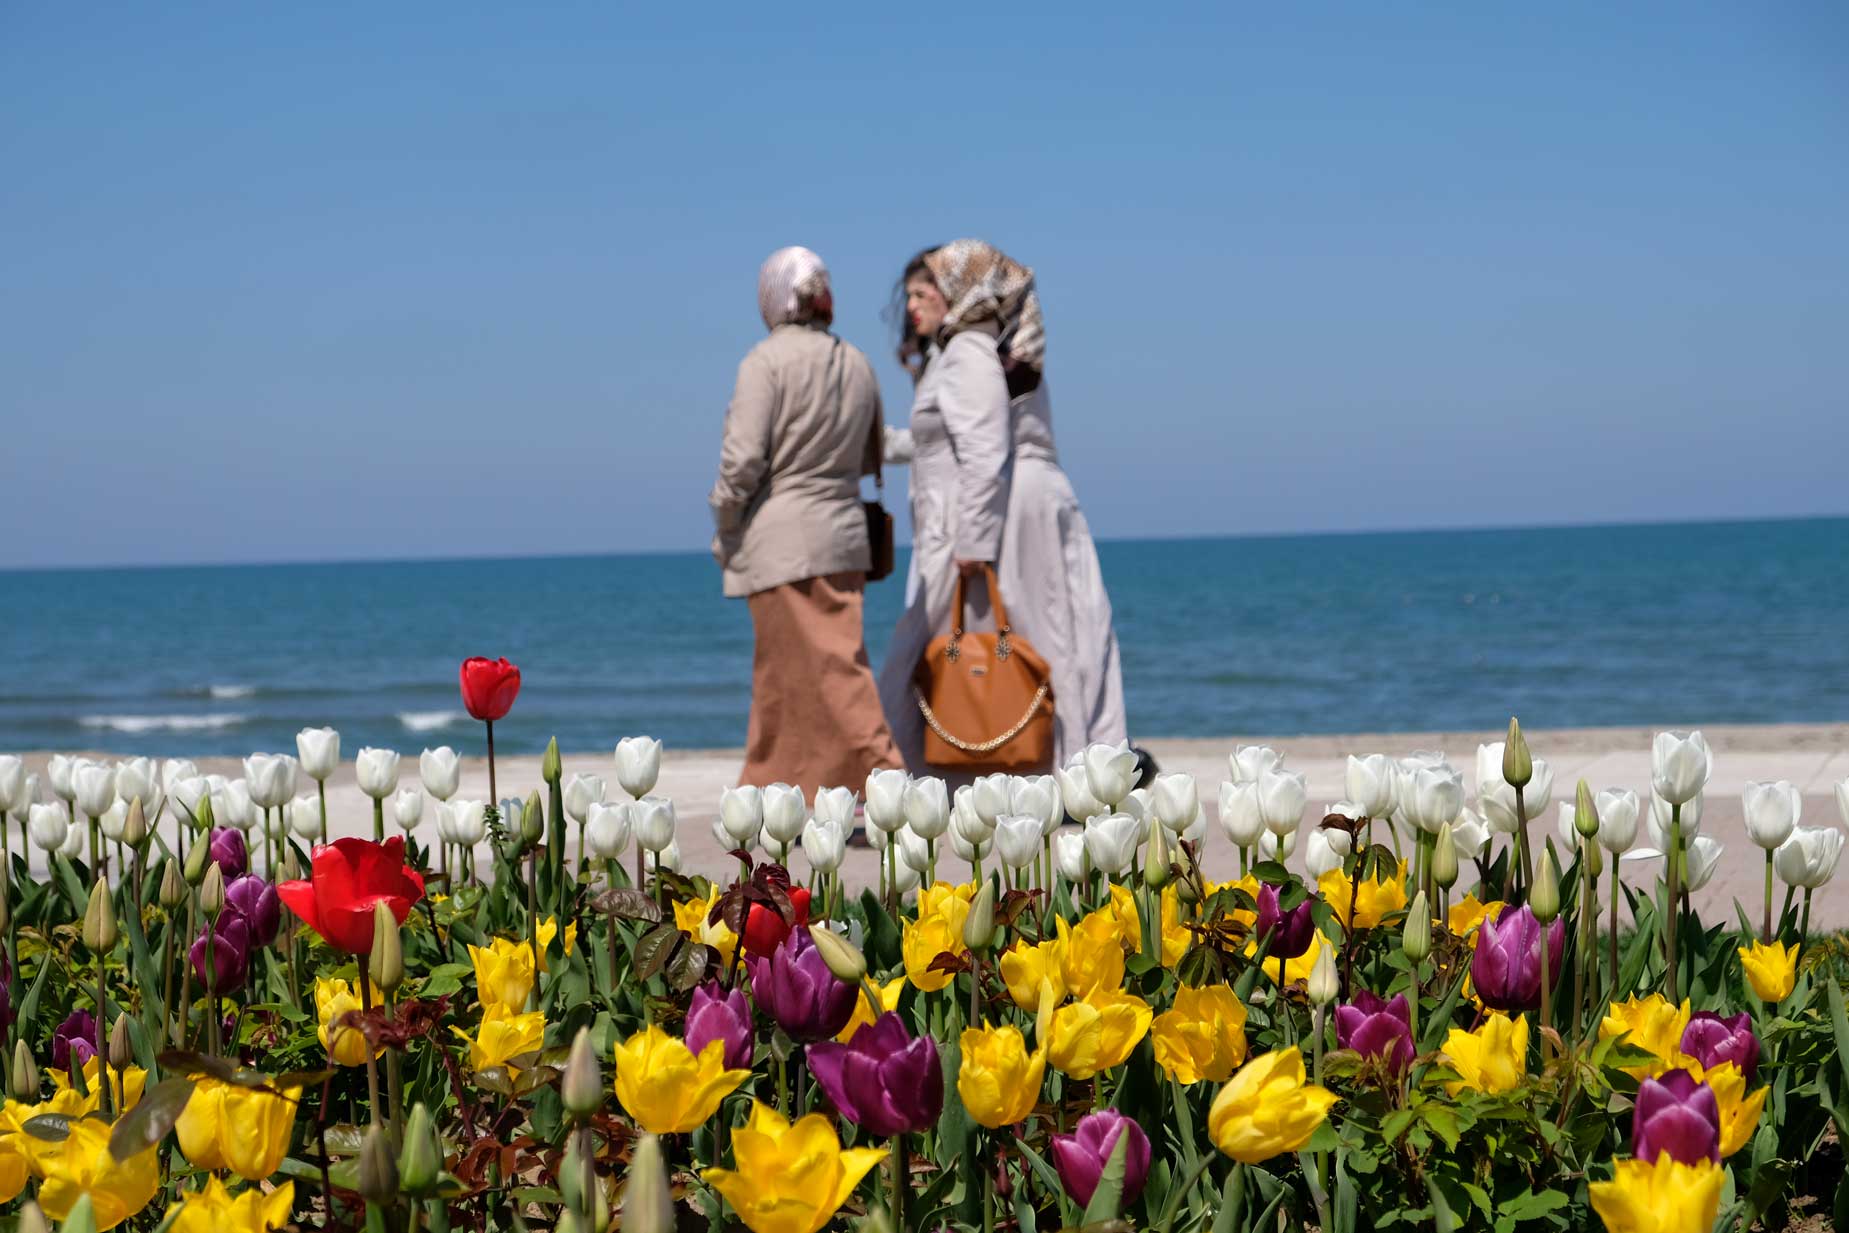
1416	938
550	767
291	868
378	1180
843	958
24	1079
1444	857
1187	891
1322	982
532	820
582	1087
568	1222
1585	813
577	1178
421	1162
648	1204
172	891
135	826
1598	859
99	921
1517	764
32	1219
1544	898
121	1049
202	815
196	861
1158	868
979	925
212	891
82	1216
386	962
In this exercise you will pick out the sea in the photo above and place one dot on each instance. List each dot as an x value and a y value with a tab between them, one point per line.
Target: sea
1743	622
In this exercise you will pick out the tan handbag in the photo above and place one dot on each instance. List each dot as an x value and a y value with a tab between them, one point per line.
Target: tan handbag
987	699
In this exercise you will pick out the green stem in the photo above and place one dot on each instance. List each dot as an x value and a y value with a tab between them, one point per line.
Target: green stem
372	1063
102	1054
321	792
1673	907
1766	932
1617	890
378	819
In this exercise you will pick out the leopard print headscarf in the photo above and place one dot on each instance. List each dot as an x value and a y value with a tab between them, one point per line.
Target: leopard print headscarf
980	283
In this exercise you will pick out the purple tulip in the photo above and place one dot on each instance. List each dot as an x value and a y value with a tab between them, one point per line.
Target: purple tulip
1711	1040
6	983
1675	1114
885	1080
1507	966
255	900
1290	931
227	851
230	953
1377	1029
717	1015
1080	1157
801	994
74	1041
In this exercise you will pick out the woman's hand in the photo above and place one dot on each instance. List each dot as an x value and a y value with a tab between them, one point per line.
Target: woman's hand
970	569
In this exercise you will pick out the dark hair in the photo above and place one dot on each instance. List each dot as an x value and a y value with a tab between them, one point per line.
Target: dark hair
911	347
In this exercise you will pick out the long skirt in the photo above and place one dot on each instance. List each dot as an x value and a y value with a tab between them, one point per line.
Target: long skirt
815	711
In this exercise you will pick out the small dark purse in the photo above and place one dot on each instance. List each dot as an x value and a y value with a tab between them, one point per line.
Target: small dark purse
880	549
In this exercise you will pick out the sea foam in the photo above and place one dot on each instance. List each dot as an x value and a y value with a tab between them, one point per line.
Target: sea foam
160	723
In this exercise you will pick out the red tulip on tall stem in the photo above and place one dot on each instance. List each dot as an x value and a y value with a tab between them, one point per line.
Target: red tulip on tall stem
489	687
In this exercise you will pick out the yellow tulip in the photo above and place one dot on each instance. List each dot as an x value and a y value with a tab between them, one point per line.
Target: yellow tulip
1025	968
1467	914
999	1080
1651	1024
244	1129
504	1036
346	1046
790	1178
1739	1111
863	1009
1771	969
943	899
15	1168
1097	1033
1666	1197
665	1088
215	1210
692	917
1094	955
503	974
80	1164
125	1086
925	939
1203	1037
1267	1109
548	929
1123	913
1494	1058
1377	899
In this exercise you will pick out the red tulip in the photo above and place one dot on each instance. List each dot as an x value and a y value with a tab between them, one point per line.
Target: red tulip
350	876
489	687
764	925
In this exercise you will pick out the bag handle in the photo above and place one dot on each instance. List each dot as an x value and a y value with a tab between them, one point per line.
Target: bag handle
957	613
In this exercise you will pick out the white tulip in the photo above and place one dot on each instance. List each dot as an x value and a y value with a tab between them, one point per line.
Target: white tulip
1471	834
441	771
1069	853
1281	798
446	823
231	804
1075	792
723	840
1110	772
1566	821
906	879
1489	767
135	781
468	820
1325	849
1842	800
1434	796
407	808
993	796
651	821
1618	808
1176	799
1040	796
1656	826
1679	766
1371	783
1408	766
1017	839
93	785
877	839
1498	801
1771	811
581	792
607	829
1807	859
668	858
638	764
12	784
187	793
1248	762
47	825
271	779
886	799
966	850
913	850
1274	848
1139	806
377	770
836	805
965	823
305	818
112	820
927	807
72	847
785	811
1110	841
58	774
173	770
1241	816
1195	831
741	812
825	844
1704	857
319	752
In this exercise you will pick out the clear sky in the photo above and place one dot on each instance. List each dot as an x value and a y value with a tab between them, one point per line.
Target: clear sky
361	280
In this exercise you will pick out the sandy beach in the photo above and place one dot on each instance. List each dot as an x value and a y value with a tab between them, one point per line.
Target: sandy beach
1813	757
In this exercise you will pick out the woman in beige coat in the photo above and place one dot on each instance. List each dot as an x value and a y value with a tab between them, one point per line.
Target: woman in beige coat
803	428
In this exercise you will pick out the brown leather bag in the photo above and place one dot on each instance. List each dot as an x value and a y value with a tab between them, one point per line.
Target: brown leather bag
987	699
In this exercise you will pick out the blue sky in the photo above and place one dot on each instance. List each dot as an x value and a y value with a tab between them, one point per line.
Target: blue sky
336	281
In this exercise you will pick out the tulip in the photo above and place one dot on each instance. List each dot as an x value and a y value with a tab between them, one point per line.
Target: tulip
784	814
1653	1024
1076	796
1378	896
271	779
319	752
1679	766
504	973
1241	814
304	816
1025	968
1657	823
80	1166
581	792
1370	783
72	847
825	844
489	687
112	820
1713	1040
1110	773
991	796
668	1089
504	1038
668	858
1739	1111
1248	762
638	764
1096	1034
651	822
1017	839
254	899
1807	859
1667	1197
93	787
1771	968
765	927
1267	1109
998	1079
791	1178
1703	856
716	1014
1281	797
1618	809
229	943
937	931
243	1129
927	807
1070	856
1377	1029
73	1042
334	999
1771	811
1507	967
1491	1059
1202	1036
377	770
407	808
912	849
1325	850
214	1210
1111	843
1677	1116
12	784
348	877
794	986
1176	800
228	852
741	812
885	1080
835	805
1080	1158
886	799
1289	932
607	831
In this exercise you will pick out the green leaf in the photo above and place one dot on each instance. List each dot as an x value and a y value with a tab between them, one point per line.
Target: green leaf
149	1121
1839	1020
688	966
1443	1219
29	1005
1444	1122
1107	1200
1531	1204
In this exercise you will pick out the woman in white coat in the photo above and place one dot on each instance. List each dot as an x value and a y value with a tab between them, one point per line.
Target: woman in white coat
987	488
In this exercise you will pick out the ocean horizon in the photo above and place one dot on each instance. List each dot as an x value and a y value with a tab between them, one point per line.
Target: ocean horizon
1288	634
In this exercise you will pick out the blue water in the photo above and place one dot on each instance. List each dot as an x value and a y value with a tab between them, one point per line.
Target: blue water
1716	623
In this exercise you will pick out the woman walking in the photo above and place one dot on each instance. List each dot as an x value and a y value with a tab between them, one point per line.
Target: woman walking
987	489
803	427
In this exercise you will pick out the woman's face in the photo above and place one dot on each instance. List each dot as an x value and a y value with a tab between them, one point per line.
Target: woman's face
924	305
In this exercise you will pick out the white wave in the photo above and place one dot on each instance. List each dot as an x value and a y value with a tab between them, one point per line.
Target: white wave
160	723
428	721
230	691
